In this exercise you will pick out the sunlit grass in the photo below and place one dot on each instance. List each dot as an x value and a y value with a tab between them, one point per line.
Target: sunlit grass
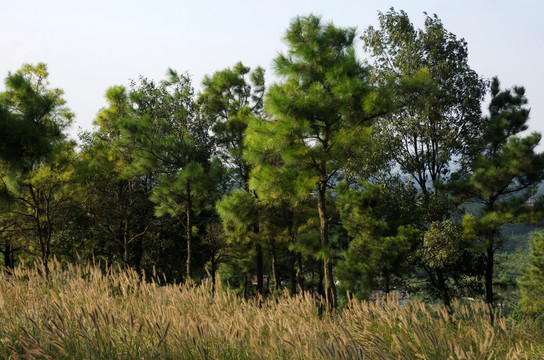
85	313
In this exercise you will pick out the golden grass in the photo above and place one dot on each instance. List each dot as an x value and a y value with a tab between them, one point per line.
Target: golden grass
84	313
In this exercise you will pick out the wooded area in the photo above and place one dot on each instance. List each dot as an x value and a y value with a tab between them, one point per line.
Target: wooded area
345	178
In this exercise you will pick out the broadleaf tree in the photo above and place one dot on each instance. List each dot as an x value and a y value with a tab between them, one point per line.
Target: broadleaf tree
438	95
117	204
437	121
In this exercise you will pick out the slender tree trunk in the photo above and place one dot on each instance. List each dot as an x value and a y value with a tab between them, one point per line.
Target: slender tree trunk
330	288
125	249
489	272
387	280
44	243
444	294
258	247
138	253
213	274
260	272
300	274
292	275
189	234
244	288
489	298
275	269
45	260
320	289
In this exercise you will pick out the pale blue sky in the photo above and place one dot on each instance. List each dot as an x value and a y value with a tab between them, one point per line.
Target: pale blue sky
92	45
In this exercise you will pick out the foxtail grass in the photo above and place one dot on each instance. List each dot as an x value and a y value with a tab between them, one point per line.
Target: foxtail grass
84	312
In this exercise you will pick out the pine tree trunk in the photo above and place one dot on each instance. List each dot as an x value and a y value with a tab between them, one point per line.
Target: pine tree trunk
125	249
47	247
258	247
320	289
489	272
244	288
45	259
330	288
489	298
189	230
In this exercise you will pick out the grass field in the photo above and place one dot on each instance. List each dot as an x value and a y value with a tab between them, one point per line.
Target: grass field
82	312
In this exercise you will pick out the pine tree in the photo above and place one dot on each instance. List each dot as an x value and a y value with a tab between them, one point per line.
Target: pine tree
37	157
318	117
32	116
169	137
503	175
229	99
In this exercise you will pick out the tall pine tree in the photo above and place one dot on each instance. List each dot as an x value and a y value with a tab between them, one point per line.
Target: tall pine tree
169	137
503	175
318	114
229	99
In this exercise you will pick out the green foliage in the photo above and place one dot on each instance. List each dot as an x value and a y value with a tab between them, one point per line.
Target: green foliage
532	281
507	163
502	176
42	197
437	95
379	221
238	212
227	102
169	137
442	245
343	168
508	272
436	123
114	202
37	160
318	115
32	116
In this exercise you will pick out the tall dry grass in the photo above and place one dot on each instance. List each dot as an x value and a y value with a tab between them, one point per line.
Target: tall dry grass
82	312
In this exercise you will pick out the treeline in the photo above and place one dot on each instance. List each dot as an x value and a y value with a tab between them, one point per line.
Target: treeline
347	176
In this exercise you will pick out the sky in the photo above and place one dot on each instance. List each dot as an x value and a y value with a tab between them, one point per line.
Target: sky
89	46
